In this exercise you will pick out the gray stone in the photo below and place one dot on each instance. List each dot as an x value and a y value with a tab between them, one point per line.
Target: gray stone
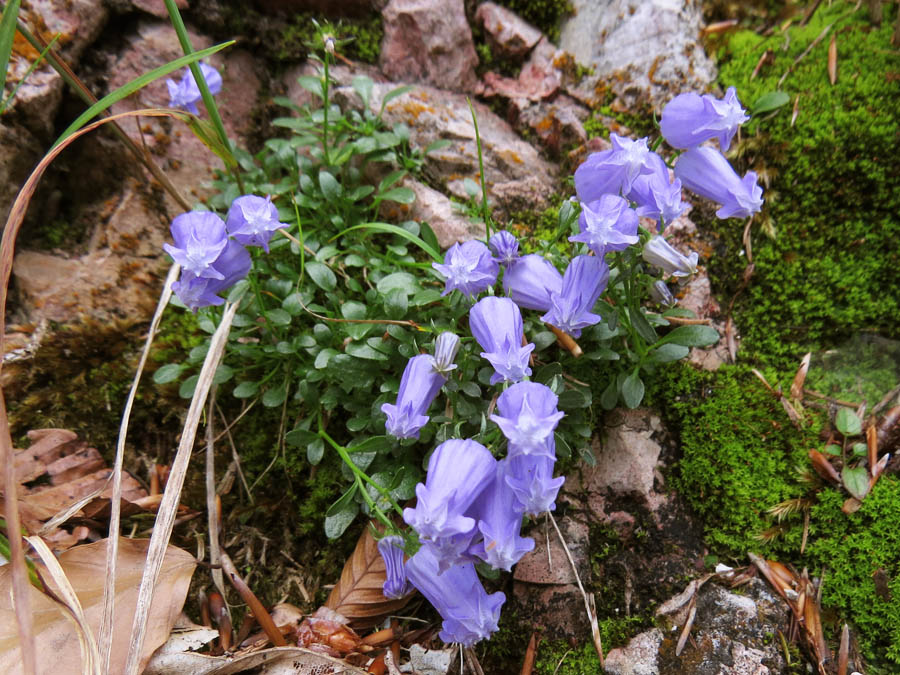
19	153
557	124
449	224
645	51
157	7
508	33
429	41
638	657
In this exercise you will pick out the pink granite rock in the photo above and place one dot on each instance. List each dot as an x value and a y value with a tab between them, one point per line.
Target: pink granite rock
509	34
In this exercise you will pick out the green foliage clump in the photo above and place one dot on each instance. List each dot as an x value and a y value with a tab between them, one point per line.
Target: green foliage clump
834	192
739	454
558	657
363	37
544	14
859	553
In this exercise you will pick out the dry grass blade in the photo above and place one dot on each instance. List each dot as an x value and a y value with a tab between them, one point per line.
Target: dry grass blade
800	377
90	655
165	520
263	618
824	467
212	511
116	500
357	596
795	113
686	631
530	655
872	448
832	61
275	661
844	651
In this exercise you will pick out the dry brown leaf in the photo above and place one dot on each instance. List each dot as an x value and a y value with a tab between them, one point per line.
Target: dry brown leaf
824	467
800	377
358	595
832	60
85	568
276	661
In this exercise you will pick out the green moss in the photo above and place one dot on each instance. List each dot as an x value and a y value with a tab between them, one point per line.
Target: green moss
558	657
858	555
364	37
834	195
740	451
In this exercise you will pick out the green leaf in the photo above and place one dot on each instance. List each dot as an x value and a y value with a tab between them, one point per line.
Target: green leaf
340	514
396	303
223	374
693	336
186	390
832	449
245	389
330	186
135	84
860	449
315	451
610	395
293	304
312	84
364	351
321	275
401	195
847	422
299	437
572	399
279	317
856	481
768	102
375	444
425	297
353	310
386	228
633	390
543	339
471	389
403	281
274	397
362	85
391	95
168	373
7	35
668	352
643	328
603	354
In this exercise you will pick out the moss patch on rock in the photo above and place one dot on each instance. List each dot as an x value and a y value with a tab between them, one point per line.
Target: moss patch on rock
834	186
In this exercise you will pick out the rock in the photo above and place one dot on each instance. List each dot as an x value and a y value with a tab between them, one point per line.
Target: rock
557	124
78	23
433	207
538	79
638	658
517	177
643	51
157	7
429	41
19	153
544	585
507	32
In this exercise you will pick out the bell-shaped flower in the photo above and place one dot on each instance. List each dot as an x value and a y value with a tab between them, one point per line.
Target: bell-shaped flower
458	470
497	326
660	253
532	281
585	279
468	268
607	224
469	613
446	346
530	477
689	119
419	386
231	265
527	417
707	172
660	293
252	220
505	247
655	196
199	237
185	93
612	171
396	584
499	522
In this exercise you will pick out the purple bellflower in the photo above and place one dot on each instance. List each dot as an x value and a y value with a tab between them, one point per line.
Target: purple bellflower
505	247
199	237
469	613
252	220
396	584
607	224
532	281
419	386
458	470
530	477
468	268
232	264
655	196
528	416
185	93
707	172
446	345
499	522
612	171
585	279
660	293
689	119
660	253
497	325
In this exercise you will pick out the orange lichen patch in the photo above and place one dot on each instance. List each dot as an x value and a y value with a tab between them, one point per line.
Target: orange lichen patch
511	156
413	109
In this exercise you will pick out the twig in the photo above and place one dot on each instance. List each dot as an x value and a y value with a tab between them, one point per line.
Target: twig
212	513
592	615
234	455
259	612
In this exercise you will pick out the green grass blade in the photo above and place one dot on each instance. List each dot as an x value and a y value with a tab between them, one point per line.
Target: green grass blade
31	69
400	232
7	33
138	82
